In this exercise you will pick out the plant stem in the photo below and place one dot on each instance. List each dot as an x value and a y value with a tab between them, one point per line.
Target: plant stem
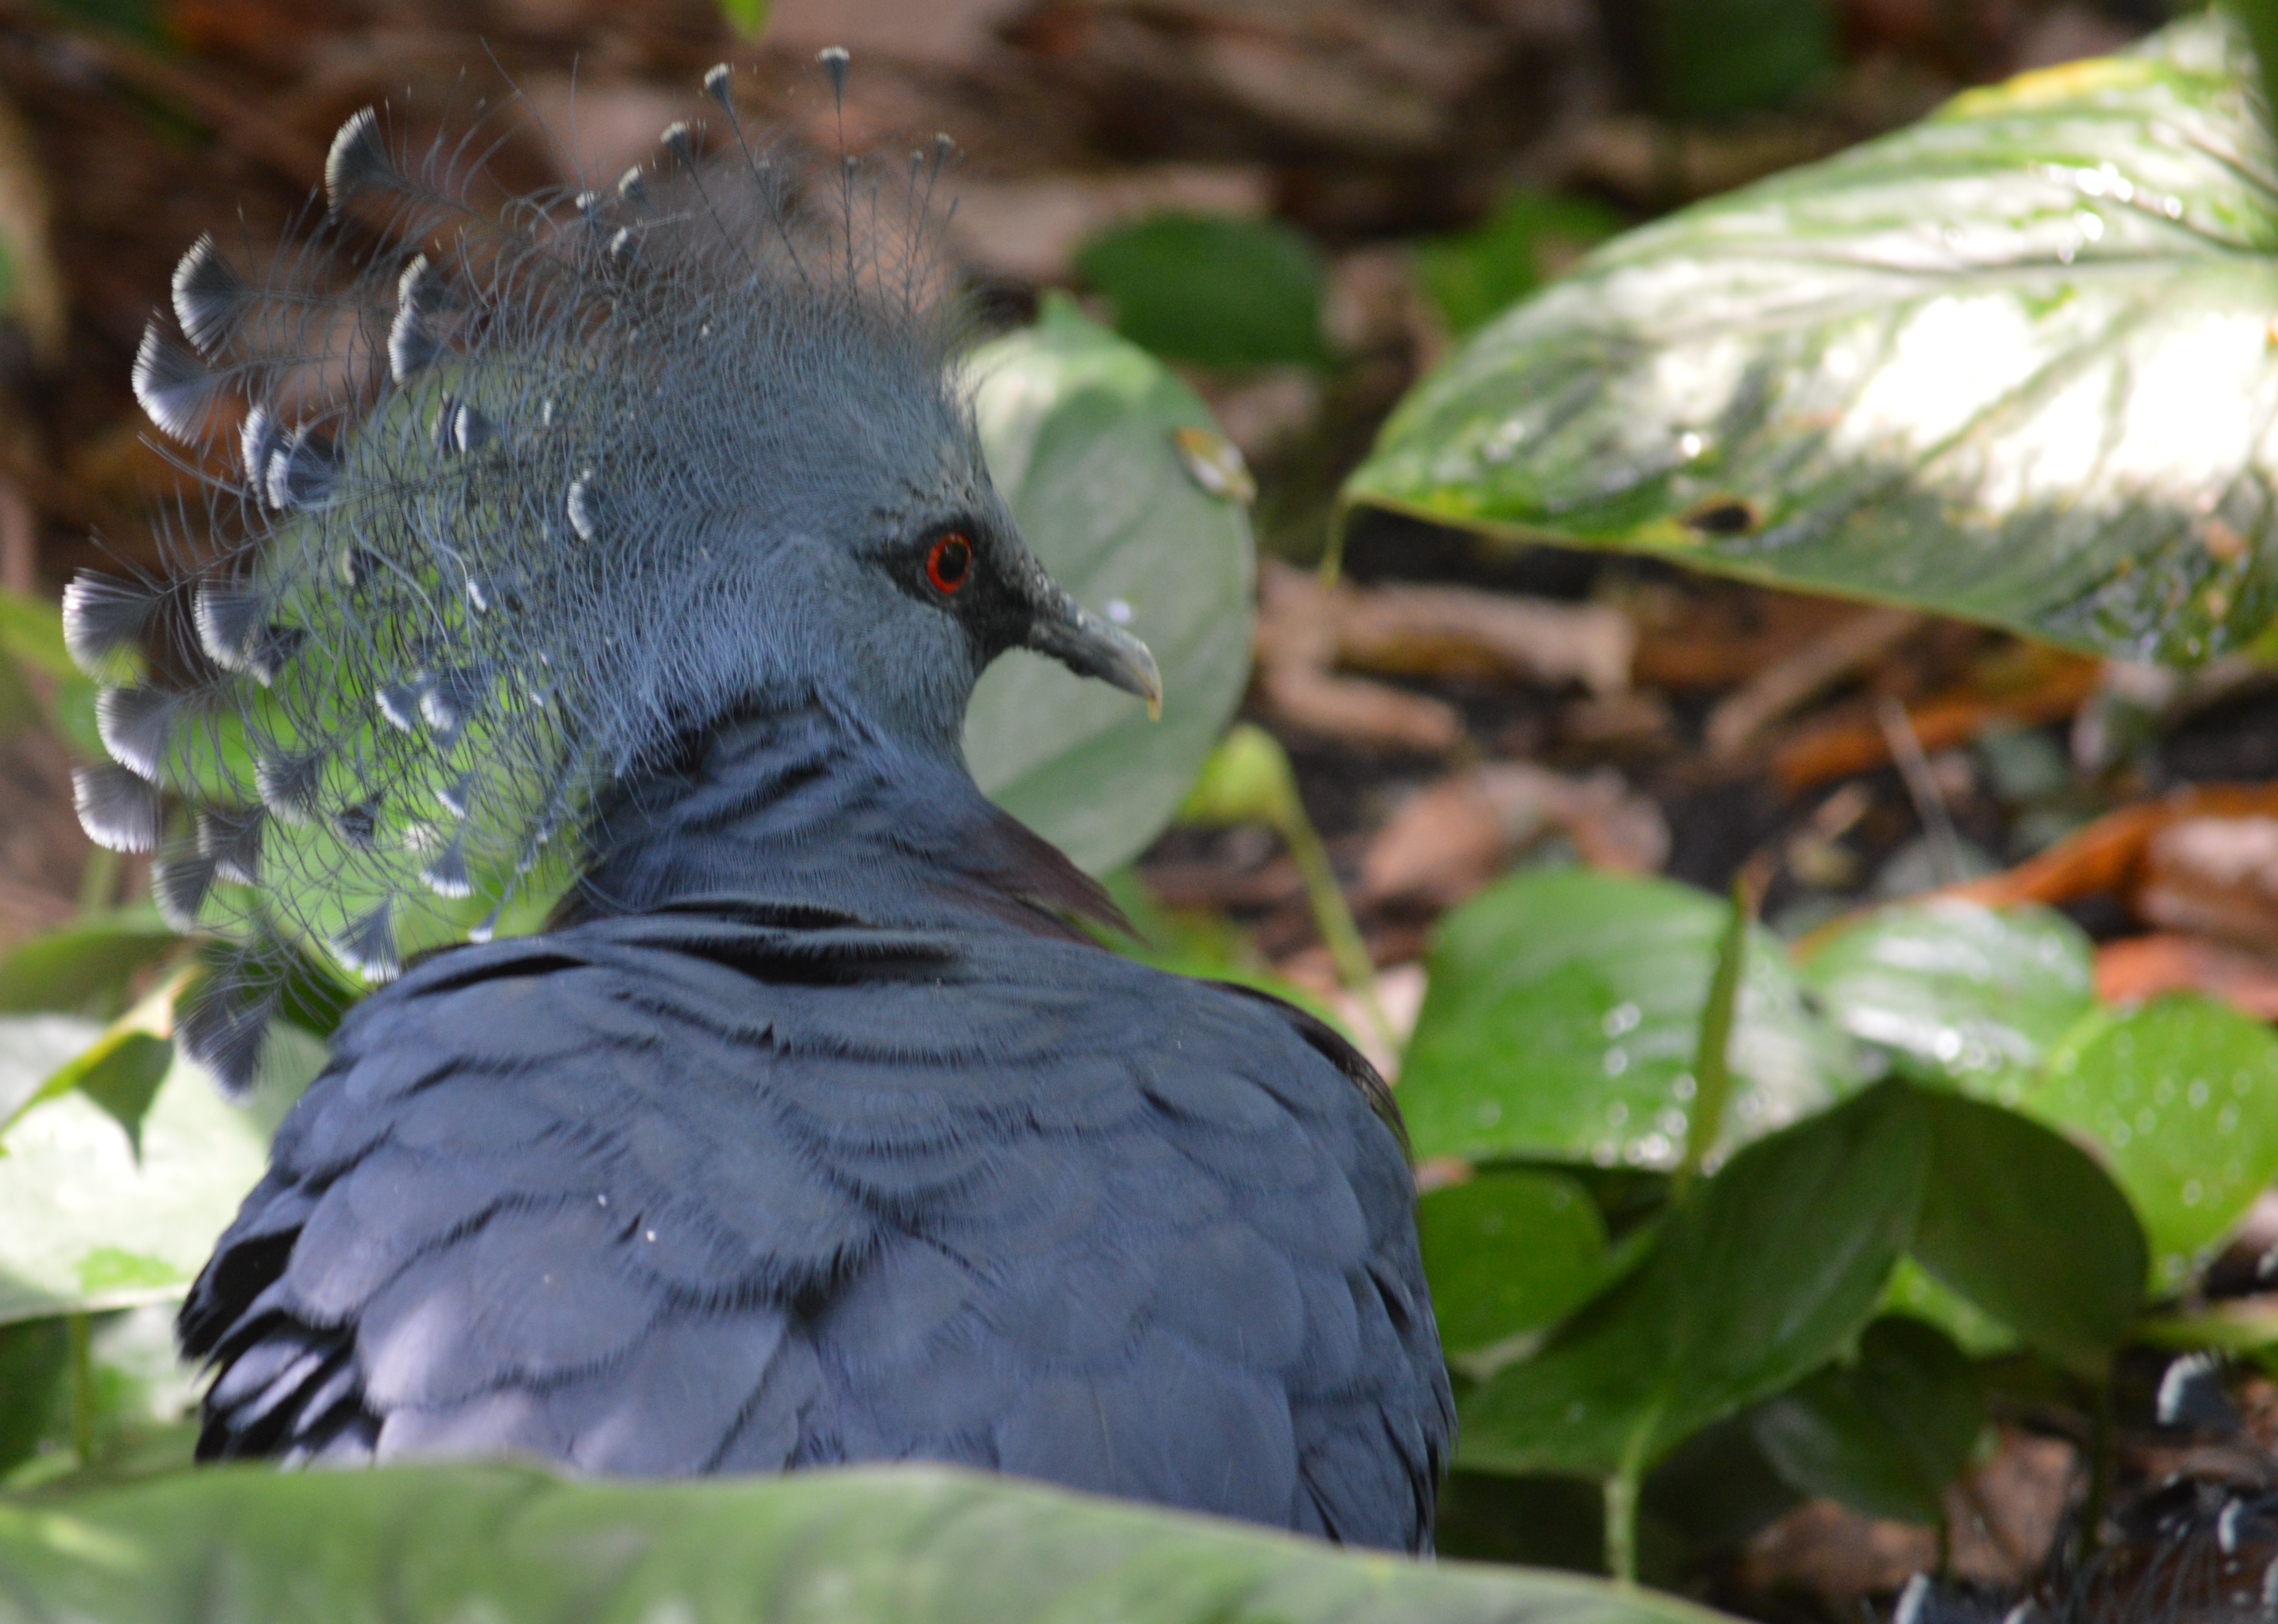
77	1329
1622	1492
1915	772
1248	779
98	880
1333	918
1621	1527
1712	1069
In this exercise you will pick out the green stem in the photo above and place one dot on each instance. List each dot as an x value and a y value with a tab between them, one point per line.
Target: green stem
77	1329
98	880
1621	1527
1712	1069
1622	1492
1333	918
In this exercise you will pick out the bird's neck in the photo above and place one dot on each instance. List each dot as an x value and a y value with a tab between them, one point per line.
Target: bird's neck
808	809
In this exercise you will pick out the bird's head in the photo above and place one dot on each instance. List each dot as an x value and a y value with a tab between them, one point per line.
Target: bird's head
879	569
528	498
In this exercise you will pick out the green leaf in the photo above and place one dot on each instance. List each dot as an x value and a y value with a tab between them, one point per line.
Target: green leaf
2025	1226
1476	275
1959	994
2181	1098
32	633
2010	364
1763	1273
1078	428
1509	1253
896	1545
83	966
83	1224
1562	1018
144	21
1712	1062
747	18
34	1355
20	706
1222	290
1716	58
2259	19
139	1399
1885	1434
1977	1333
32	638
1247	779
120	1072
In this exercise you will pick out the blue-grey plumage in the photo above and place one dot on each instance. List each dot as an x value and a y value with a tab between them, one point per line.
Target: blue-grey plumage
652	531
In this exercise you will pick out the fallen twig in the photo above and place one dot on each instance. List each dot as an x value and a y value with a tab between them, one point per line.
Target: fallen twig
1839	748
1797	678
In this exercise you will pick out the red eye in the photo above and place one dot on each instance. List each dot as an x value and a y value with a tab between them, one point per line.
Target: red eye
947	564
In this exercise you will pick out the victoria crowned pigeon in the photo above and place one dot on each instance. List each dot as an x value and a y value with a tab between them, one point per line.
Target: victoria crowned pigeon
635	548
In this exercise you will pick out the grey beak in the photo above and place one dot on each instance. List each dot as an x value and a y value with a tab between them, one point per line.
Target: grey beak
1088	646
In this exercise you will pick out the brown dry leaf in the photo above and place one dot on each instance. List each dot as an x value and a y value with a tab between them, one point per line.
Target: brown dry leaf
939	33
1296	653
1030	227
1645	159
2004	1517
42	849
1306	630
1456	631
1449	840
2140	967
1354	79
1373	304
2107	855
1714	636
2213	877
1633	720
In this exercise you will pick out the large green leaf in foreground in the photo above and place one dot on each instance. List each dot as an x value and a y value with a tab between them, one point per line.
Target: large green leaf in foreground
2014	362
1080	428
908	1546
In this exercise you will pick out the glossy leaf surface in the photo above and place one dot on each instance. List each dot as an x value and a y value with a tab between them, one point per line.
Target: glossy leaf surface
2181	1098
1958	992
2009	363
1563	1019
892	1546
